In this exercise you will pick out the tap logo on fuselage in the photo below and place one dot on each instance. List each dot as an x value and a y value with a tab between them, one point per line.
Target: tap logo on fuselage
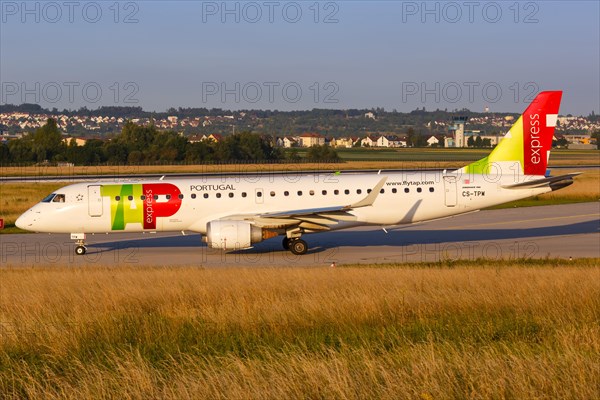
141	203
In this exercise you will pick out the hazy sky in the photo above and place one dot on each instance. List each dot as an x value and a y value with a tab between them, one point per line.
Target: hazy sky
300	55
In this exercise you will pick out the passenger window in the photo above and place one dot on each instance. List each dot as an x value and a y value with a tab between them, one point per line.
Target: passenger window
142	197
180	196
155	197
193	196
368	190
346	191
312	192
244	194
130	198
168	197
205	195
336	192
382	191
218	195
59	198
406	190
286	193
230	195
299	192
431	189
117	198
419	190
394	190
272	194
358	191
324	192
258	194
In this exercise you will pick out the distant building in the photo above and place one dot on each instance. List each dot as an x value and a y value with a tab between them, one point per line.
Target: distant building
78	141
286	142
432	141
369	141
458	129
346	142
311	139
390	141
215	137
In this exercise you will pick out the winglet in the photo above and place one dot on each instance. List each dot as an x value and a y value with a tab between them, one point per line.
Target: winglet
371	197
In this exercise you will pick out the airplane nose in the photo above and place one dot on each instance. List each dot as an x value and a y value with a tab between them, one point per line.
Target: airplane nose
25	221
20	222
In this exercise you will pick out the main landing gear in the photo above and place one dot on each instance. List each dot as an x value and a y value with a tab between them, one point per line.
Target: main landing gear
80	241
296	245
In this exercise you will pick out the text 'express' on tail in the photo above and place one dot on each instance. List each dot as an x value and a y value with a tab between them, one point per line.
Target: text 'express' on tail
525	149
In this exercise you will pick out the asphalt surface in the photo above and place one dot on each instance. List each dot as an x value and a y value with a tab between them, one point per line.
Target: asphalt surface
562	231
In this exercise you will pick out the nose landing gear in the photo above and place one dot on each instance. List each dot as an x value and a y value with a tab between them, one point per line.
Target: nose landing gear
80	241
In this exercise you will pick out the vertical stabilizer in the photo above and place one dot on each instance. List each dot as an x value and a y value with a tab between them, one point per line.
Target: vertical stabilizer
525	149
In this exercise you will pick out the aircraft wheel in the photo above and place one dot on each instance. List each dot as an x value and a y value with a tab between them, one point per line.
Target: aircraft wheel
298	247
286	243
80	250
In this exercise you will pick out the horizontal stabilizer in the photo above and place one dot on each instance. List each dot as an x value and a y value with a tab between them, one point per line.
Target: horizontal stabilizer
555	182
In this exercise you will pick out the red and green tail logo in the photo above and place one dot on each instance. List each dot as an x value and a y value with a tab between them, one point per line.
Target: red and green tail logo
527	143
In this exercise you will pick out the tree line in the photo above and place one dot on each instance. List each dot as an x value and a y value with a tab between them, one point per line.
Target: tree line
144	144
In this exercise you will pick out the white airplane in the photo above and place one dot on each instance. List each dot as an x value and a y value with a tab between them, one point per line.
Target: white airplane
233	213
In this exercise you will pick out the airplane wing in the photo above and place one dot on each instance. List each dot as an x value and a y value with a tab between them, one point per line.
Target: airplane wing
314	219
555	182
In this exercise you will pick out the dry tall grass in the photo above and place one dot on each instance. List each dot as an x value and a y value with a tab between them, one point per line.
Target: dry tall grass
493	331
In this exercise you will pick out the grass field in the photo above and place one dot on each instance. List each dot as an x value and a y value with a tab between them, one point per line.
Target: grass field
520	329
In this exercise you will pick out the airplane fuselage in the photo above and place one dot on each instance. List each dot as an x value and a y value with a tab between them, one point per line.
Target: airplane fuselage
190	204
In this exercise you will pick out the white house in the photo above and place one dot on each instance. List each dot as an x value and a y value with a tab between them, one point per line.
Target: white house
368	141
432	141
390	141
286	142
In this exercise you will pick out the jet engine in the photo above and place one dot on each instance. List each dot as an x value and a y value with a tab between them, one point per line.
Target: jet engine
234	235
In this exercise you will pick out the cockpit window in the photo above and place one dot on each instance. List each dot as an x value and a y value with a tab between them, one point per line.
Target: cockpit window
59	198
48	198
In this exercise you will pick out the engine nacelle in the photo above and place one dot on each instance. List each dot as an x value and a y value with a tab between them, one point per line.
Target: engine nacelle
234	235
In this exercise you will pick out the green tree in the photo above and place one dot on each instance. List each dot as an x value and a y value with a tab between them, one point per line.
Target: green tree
199	152
478	142
4	154
596	136
136	137
116	153
322	154
47	142
21	150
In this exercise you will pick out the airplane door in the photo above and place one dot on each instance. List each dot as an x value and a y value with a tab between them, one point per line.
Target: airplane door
451	195
94	201
259	196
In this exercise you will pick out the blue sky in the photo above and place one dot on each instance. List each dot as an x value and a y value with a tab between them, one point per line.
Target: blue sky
301	55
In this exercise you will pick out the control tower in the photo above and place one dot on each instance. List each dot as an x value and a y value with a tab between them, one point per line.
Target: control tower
458	129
